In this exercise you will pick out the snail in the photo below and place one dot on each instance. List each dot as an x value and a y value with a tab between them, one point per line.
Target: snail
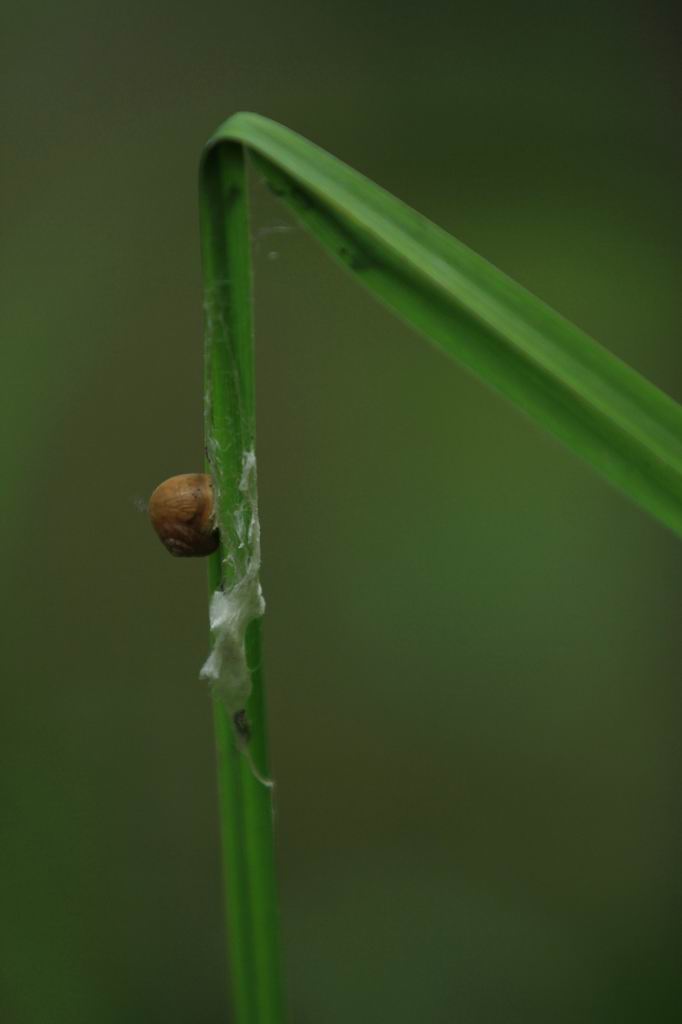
182	512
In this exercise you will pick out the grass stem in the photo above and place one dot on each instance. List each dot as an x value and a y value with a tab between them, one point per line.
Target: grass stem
245	801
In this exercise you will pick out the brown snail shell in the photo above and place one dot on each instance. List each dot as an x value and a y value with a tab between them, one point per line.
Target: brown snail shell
182	511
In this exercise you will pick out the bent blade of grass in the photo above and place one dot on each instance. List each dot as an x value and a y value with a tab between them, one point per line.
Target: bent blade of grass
606	412
623	425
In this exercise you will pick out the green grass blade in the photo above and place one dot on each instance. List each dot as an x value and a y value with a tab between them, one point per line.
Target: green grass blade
245	802
602	409
606	412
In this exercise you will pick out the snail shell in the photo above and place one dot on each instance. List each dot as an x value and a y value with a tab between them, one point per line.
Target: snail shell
182	511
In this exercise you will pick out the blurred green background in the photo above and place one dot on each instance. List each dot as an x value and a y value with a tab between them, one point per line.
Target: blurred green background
472	643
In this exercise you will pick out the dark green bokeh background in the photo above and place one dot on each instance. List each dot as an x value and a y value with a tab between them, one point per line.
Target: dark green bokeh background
472	643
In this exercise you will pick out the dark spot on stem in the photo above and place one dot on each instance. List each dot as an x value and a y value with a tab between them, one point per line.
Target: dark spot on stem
241	724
